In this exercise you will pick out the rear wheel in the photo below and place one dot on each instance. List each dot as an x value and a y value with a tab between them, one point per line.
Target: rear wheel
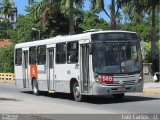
76	92
118	96
35	87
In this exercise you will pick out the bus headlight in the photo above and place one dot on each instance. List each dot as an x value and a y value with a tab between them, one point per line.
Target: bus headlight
140	77
96	77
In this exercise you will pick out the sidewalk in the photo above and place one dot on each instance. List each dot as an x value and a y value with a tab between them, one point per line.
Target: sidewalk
152	88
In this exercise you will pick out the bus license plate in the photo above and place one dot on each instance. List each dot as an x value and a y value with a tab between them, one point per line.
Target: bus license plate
121	89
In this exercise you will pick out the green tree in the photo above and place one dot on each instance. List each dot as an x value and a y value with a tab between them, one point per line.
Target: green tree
143	29
23	31
137	9
148	58
92	21
4	27
56	24
133	10
99	5
6	59
52	21
6	8
151	7
67	7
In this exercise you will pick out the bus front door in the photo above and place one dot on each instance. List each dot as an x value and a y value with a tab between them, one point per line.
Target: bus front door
25	69
51	69
85	68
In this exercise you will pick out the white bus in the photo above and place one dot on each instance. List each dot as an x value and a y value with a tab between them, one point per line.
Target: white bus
92	63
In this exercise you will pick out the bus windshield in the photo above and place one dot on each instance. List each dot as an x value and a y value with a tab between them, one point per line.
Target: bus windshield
116	57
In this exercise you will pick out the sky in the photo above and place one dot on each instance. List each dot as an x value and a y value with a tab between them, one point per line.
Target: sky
22	3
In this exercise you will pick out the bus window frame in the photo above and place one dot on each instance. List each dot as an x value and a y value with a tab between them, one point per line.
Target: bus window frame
71	52
40	55
61	53
16	61
35	60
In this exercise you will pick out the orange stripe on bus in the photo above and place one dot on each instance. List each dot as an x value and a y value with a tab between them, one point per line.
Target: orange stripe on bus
33	71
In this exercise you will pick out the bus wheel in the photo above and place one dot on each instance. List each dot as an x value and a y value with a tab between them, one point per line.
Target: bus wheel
35	87
76	92
118	96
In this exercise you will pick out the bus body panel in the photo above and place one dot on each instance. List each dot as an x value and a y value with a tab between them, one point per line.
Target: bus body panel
42	77
63	75
19	76
139	86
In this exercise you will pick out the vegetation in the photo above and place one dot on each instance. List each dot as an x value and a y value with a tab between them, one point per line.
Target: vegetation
92	21
6	8
23	31
6	59
4	27
137	9
66	7
62	17
148	58
99	5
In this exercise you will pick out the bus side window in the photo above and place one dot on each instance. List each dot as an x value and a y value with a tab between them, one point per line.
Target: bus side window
41	55
32	55
61	53
18	57
72	52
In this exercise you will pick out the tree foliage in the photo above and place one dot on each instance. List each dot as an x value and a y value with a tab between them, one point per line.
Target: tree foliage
23	31
148	58
143	29
4	27
136	9
92	21
99	5
6	8
7	59
66	7
56	24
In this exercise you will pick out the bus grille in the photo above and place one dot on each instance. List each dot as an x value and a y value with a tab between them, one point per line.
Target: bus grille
125	82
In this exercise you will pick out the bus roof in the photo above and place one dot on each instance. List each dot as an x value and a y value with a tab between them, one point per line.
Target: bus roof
58	39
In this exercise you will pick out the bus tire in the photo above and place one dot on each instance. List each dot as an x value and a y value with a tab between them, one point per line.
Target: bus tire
118	96
76	92
35	87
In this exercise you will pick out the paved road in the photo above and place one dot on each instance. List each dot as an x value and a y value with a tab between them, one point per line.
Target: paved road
15	100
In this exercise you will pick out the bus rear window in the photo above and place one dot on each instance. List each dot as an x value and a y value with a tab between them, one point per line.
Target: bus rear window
18	57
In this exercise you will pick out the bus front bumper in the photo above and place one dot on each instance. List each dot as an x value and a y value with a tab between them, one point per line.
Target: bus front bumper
101	89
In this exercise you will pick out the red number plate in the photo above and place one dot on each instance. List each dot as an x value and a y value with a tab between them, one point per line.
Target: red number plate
107	79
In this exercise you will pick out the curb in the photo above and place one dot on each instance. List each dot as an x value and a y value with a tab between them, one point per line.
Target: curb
151	91
8	81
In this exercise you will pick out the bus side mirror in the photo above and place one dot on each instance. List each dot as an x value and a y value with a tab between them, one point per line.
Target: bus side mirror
90	49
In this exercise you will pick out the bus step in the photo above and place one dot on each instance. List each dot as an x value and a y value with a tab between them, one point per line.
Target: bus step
51	91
